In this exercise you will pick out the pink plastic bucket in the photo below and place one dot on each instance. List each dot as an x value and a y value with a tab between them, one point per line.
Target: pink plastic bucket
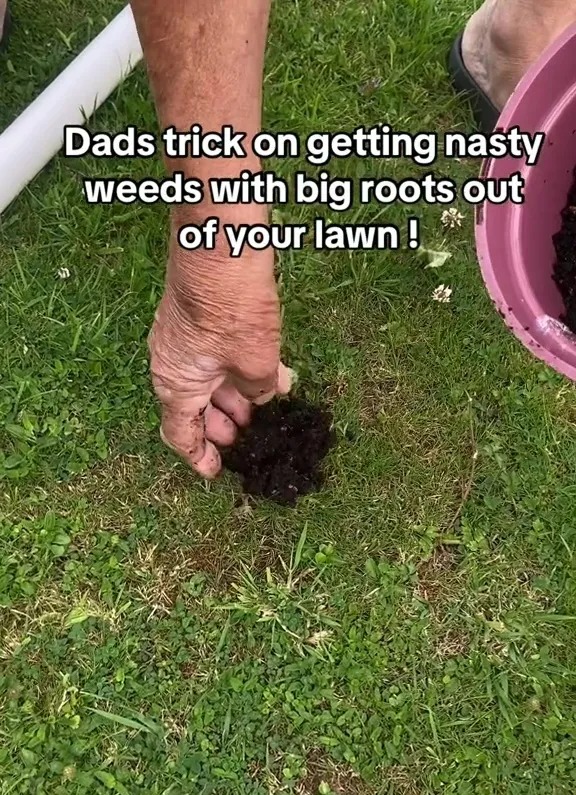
514	242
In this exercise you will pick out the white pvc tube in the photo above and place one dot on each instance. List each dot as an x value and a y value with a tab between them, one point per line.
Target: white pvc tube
38	133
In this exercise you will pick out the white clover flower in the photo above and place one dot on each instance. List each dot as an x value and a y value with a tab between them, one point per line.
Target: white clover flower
63	273
451	218
319	637
442	294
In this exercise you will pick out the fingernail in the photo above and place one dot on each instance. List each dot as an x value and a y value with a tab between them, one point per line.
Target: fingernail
287	378
266	398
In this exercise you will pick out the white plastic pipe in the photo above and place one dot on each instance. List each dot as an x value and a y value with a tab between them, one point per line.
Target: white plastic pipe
38	133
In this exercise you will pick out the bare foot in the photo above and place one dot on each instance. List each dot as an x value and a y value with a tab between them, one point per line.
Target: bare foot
504	38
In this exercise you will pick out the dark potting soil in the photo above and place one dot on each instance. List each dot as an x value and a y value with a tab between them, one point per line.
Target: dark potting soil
280	455
564	273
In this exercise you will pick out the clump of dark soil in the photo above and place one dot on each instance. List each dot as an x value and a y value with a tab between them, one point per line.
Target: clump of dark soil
565	267
280	455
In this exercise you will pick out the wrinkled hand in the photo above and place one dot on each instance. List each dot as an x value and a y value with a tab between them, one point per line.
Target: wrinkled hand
215	350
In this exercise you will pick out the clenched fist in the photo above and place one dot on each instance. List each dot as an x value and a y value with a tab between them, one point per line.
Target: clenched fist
215	349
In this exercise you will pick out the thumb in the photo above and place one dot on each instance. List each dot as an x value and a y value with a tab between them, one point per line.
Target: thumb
263	389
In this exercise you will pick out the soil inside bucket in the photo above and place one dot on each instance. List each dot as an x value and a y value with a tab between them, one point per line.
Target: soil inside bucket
280	455
564	273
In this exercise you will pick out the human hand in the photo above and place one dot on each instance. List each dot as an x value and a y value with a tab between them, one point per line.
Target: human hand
215	350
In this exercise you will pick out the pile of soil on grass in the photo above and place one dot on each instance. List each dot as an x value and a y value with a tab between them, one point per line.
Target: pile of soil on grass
280	455
564	273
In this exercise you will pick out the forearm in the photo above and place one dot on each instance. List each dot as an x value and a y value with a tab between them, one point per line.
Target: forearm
205	61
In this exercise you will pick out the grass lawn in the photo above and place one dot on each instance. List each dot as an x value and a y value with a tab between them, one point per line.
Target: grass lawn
410	630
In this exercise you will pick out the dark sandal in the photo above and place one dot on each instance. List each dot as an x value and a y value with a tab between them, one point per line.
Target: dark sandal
5	29
485	112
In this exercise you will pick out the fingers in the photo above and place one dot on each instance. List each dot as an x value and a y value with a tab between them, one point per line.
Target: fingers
283	385
196	425
219	428
263	390
231	402
286	378
183	430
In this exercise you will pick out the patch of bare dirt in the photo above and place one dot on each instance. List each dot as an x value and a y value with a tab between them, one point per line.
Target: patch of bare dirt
342	780
439	579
